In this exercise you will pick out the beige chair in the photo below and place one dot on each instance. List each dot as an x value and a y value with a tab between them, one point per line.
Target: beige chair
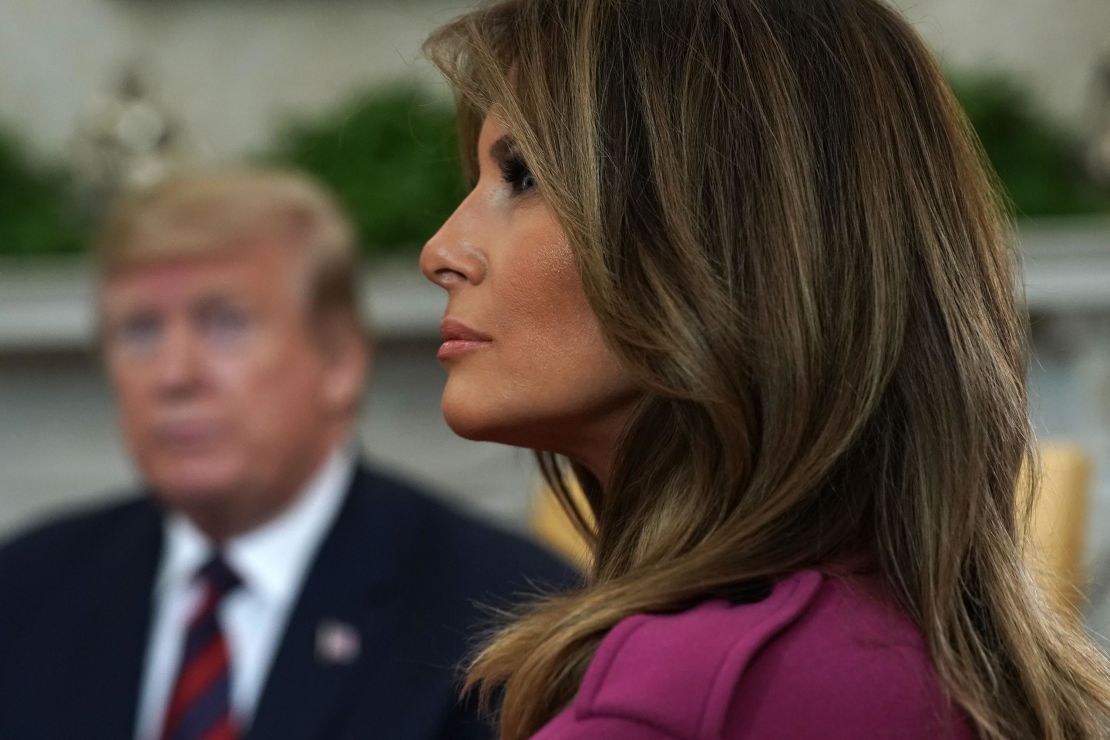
1056	536
553	527
1055	551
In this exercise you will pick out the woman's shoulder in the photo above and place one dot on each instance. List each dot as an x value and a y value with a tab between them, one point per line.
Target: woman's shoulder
821	656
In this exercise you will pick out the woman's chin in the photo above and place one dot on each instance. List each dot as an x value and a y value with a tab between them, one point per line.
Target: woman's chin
480	423
473	425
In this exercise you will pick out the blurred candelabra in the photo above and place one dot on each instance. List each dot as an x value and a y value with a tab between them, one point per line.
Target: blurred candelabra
129	141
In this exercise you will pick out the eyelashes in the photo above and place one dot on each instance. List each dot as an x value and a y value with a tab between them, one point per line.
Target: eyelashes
515	172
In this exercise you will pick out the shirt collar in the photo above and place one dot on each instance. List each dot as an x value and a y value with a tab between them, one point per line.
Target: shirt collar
271	559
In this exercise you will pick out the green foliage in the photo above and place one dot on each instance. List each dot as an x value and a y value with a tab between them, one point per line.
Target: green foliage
391	157
34	213
1039	164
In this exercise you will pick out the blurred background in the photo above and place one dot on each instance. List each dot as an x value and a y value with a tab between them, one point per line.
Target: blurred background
101	95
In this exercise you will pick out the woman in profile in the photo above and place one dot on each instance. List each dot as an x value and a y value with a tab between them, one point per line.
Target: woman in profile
737	269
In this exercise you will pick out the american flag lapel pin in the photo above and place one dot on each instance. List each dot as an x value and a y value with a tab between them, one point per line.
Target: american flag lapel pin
337	643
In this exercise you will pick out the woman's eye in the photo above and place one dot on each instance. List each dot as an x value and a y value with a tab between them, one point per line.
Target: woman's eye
516	173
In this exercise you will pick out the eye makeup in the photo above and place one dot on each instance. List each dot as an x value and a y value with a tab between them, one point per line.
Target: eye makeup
514	170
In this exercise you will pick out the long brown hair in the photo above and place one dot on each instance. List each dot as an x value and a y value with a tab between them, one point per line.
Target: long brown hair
790	238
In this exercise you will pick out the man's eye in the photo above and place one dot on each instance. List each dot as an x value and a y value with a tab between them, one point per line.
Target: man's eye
224	324
138	334
515	172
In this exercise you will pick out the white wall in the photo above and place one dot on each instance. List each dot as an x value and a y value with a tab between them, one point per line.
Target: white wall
234	69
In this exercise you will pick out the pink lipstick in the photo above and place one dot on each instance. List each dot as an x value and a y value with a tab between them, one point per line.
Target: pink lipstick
458	339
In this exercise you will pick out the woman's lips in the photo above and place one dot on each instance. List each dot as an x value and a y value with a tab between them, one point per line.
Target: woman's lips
458	339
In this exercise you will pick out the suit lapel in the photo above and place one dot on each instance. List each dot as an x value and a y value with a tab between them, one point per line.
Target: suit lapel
109	643
346	628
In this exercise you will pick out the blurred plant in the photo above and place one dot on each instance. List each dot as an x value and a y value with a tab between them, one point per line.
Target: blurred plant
35	218
1039	164
391	157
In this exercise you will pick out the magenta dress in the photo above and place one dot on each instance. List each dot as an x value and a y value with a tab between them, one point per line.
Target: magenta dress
821	657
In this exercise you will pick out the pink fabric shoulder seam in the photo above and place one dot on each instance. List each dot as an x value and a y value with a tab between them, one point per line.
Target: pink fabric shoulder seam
782	607
803	586
597	673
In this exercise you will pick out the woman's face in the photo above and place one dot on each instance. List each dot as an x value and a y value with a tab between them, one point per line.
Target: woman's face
526	362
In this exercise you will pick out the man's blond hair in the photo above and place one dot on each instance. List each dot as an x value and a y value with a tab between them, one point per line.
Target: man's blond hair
213	211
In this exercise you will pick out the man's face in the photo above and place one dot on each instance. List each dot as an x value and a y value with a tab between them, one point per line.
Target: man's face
227	400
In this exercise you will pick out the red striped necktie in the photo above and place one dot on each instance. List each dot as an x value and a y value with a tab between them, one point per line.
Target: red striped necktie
200	706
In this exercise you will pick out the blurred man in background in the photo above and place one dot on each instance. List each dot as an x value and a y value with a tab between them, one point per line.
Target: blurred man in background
268	584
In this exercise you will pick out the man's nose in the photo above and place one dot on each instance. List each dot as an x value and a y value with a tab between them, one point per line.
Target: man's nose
454	255
179	361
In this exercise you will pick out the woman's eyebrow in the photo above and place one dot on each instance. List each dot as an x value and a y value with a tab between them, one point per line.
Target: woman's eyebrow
503	149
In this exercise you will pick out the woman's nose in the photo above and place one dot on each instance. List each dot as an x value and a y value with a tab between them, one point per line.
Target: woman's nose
453	257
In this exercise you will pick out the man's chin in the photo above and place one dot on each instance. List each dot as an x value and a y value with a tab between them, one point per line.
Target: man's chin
195	490
218	510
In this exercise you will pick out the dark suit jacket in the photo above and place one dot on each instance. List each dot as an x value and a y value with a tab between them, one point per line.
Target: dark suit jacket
406	572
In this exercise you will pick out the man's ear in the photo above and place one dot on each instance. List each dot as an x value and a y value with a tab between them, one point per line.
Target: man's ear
348	356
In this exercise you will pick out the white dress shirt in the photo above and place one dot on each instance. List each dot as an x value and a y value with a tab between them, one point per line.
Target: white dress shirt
271	561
